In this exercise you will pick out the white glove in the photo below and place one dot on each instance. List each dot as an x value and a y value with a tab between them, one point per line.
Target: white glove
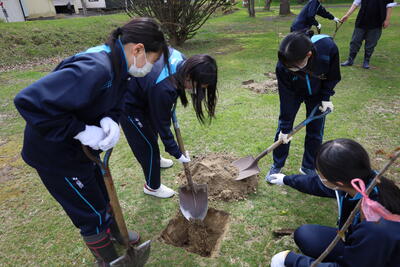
91	136
111	129
278	260
319	26
184	159
337	20
284	138
277	178
325	105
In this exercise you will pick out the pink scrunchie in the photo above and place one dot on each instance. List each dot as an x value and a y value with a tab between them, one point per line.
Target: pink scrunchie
372	210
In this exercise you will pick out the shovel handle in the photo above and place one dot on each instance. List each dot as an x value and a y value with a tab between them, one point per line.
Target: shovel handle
310	118
182	148
112	193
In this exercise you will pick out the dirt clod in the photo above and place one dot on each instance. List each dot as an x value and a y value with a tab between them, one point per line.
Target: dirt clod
203	238
217	172
263	87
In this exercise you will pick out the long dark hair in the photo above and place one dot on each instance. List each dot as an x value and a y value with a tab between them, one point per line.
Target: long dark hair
139	30
342	160
200	69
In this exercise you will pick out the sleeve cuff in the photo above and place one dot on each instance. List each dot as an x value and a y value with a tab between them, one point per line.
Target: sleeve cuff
326	98
285	179
290	259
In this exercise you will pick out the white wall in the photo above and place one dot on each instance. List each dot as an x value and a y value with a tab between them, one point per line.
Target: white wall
40	8
13	9
92	3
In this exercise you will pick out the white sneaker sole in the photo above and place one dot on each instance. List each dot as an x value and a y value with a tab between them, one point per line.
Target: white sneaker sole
157	194
301	171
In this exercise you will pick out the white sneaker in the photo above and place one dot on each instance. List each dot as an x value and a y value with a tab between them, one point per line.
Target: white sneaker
162	192
166	163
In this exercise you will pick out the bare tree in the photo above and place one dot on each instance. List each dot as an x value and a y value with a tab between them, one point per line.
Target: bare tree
180	19
267	5
250	8
284	8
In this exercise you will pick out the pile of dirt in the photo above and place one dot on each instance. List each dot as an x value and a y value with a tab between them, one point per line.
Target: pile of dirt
217	172
264	87
203	238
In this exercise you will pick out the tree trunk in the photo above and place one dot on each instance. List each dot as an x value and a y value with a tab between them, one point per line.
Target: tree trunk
252	11
284	8
267	6
84	7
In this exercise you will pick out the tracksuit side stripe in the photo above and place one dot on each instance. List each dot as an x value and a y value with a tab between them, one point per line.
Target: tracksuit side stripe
87	202
151	149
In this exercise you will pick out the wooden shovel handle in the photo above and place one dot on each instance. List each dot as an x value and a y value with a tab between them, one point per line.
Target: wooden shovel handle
112	193
182	148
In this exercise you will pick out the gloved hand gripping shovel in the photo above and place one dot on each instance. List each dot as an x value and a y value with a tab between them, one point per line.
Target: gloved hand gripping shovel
193	198
134	256
248	166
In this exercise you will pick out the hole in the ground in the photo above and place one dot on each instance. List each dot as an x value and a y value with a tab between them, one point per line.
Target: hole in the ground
203	238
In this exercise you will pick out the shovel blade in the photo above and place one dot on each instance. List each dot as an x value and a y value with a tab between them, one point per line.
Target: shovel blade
243	163
247	167
193	202
134	256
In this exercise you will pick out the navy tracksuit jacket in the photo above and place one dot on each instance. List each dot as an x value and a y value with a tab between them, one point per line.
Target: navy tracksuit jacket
297	87
80	91
367	244
306	18
147	114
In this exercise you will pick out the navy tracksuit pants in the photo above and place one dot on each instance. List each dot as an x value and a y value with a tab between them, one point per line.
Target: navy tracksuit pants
83	196
142	139
313	239
313	139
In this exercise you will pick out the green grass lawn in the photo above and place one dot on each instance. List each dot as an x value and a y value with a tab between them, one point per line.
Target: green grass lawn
36	232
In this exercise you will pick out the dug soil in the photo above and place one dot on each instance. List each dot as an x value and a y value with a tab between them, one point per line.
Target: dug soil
217	172
203	238
270	85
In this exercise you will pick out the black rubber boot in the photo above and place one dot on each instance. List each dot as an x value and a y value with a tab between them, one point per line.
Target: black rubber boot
367	56
134	237
102	248
349	61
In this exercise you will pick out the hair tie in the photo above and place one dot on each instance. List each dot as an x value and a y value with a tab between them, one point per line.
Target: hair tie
372	210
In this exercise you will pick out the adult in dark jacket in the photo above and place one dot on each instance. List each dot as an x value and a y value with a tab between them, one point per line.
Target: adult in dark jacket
367	243
307	71
79	103
306	18
149	105
372	17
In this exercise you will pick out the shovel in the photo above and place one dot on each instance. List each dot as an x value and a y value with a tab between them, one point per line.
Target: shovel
193	198
134	256
337	27
248	166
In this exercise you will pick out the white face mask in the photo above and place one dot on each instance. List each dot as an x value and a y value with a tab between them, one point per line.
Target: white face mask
140	72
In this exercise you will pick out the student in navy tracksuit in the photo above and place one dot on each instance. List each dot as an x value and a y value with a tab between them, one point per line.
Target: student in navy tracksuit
306	18
307	71
150	102
79	103
367	243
